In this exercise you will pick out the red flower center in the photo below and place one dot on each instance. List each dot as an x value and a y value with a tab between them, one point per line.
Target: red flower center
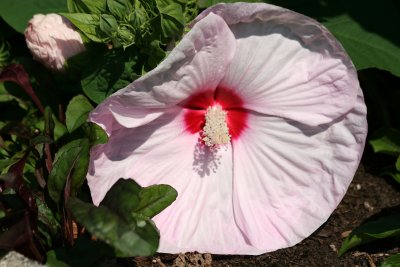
196	106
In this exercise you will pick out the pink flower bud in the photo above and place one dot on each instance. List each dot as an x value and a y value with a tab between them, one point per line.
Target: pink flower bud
52	39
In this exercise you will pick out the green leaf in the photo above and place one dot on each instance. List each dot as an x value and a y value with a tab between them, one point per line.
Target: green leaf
122	219
108	24
40	139
125	37
123	199
51	126
89	24
392	261
172	18
119	8
5	52
77	112
79	63
386	141
57	258
139	20
398	164
366	49
59	129
154	199
394	175
18	13
129	238
127	197
208	3
70	165
86	6
5	96
382	228
155	53
95	133
191	10
5	164
47	223
110	73
105	71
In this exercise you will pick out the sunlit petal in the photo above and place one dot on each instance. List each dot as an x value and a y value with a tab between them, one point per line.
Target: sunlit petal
288	177
201	219
287	64
117	158
259	126
197	63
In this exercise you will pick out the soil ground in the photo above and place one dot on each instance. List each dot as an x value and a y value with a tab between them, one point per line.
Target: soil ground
368	197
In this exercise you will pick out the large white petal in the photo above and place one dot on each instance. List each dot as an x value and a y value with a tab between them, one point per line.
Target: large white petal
197	63
201	219
289	177
283	183
116	158
287	64
162	152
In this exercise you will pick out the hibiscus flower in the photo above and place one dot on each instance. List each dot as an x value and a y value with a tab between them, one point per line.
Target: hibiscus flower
256	118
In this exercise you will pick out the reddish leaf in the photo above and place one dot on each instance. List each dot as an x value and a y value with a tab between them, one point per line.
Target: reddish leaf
17	183
22	235
22	238
17	74
16	128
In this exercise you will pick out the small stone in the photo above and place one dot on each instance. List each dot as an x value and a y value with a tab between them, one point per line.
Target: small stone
368	206
358	186
345	233
207	260
14	259
333	247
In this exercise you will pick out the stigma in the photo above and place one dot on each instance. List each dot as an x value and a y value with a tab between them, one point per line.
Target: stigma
215	132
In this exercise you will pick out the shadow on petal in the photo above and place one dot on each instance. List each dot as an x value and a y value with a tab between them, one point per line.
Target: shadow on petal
125	142
205	159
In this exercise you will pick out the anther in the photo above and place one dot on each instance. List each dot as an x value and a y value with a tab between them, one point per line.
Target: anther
215	131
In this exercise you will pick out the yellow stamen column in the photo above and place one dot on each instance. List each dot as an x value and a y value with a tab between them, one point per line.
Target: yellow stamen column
215	131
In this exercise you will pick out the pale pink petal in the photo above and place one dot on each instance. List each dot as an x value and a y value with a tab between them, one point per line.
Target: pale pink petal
161	152
281	178
246	203
201	219
197	63
287	64
288	177
115	159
